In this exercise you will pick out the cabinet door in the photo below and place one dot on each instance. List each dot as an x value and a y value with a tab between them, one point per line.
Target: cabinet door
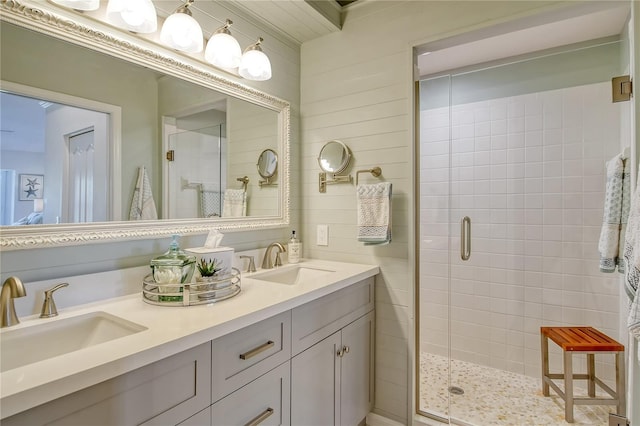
265	401
357	368
315	384
162	393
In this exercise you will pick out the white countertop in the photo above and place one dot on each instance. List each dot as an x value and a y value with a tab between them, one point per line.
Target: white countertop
170	330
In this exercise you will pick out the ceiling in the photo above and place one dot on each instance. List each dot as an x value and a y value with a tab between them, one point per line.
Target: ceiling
580	23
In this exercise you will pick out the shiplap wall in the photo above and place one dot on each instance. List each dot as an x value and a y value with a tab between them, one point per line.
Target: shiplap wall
356	86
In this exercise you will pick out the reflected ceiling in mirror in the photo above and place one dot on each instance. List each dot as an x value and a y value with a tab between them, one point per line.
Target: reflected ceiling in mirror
160	98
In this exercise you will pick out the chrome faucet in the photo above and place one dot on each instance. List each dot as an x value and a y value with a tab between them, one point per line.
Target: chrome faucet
11	288
49	305
267	263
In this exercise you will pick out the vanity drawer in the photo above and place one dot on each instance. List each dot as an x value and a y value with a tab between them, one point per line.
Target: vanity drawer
165	392
320	318
241	356
265	401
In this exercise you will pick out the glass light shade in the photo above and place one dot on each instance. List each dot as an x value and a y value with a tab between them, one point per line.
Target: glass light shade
223	51
181	32
133	15
79	4
255	65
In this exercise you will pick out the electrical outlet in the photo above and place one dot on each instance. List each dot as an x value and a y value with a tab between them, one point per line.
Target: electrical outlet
322	238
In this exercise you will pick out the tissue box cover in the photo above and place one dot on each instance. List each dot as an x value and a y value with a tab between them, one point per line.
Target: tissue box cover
223	255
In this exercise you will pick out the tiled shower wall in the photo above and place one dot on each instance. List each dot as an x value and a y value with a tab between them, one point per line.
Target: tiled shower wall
529	171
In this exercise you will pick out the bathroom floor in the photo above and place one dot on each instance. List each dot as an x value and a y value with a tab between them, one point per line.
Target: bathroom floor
496	397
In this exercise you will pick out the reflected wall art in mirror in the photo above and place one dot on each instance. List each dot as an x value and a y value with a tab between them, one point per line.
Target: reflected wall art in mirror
103	114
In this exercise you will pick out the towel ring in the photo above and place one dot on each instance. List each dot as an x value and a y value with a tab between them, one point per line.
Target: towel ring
376	172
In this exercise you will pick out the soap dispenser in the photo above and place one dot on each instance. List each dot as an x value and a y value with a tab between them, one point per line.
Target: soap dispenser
294	249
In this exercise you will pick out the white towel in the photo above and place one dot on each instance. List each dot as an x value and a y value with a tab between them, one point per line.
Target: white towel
374	213
632	264
235	203
616	212
142	205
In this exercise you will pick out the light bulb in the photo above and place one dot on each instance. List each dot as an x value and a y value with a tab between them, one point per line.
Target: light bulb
133	15
223	51
181	32
255	65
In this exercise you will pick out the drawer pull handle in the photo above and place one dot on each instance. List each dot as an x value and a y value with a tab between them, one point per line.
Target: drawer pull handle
260	418
256	351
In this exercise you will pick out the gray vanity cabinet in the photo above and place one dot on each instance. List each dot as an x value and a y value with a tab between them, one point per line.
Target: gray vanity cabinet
246	377
331	379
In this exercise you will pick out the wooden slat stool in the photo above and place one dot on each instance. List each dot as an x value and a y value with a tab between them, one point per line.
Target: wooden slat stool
589	341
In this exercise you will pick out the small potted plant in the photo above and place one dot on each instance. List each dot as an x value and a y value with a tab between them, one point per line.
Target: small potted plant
208	270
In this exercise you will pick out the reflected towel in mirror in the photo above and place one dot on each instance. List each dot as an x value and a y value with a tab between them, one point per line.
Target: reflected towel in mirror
142	205
210	200
234	203
374	213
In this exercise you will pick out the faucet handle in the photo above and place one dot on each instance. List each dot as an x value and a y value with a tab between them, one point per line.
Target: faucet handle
49	305
252	263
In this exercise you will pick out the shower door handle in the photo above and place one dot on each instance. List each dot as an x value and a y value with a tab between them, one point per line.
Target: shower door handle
465	238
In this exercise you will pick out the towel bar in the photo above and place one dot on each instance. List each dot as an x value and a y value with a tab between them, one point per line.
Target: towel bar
376	172
245	182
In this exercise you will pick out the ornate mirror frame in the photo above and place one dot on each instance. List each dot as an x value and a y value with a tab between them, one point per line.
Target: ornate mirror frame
83	31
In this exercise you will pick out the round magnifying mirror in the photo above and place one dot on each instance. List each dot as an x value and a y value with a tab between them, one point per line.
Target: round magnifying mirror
267	163
334	157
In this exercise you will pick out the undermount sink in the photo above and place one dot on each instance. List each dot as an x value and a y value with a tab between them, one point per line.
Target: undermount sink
294	274
35	343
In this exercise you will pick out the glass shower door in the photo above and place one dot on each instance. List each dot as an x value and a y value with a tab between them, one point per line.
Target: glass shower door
520	149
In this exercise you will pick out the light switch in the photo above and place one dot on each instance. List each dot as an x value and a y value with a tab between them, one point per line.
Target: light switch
322	238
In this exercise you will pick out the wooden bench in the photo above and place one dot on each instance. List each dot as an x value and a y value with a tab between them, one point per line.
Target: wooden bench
589	341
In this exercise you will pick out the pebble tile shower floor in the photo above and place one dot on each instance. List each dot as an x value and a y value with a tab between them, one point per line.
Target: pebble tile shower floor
496	397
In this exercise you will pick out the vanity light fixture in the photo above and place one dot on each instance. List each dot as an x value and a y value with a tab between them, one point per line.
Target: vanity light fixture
134	15
79	4
181	31
223	50
254	64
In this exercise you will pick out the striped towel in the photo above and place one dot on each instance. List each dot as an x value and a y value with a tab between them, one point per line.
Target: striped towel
374	213
632	260
616	212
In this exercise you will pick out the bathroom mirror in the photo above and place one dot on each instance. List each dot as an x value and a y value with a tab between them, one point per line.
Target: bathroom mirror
334	157
267	163
180	92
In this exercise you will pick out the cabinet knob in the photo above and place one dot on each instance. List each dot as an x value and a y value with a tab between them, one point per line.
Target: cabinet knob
343	350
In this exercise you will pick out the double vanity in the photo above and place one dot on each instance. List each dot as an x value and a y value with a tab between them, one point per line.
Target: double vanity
295	346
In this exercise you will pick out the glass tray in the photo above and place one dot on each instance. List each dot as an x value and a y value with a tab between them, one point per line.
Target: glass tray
214	289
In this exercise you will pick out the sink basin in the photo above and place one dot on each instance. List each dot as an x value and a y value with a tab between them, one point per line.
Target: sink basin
294	274
27	345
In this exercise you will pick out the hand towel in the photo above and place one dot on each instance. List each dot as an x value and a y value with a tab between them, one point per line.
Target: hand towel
632	264
235	203
209	200
374	213
615	215
142	205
